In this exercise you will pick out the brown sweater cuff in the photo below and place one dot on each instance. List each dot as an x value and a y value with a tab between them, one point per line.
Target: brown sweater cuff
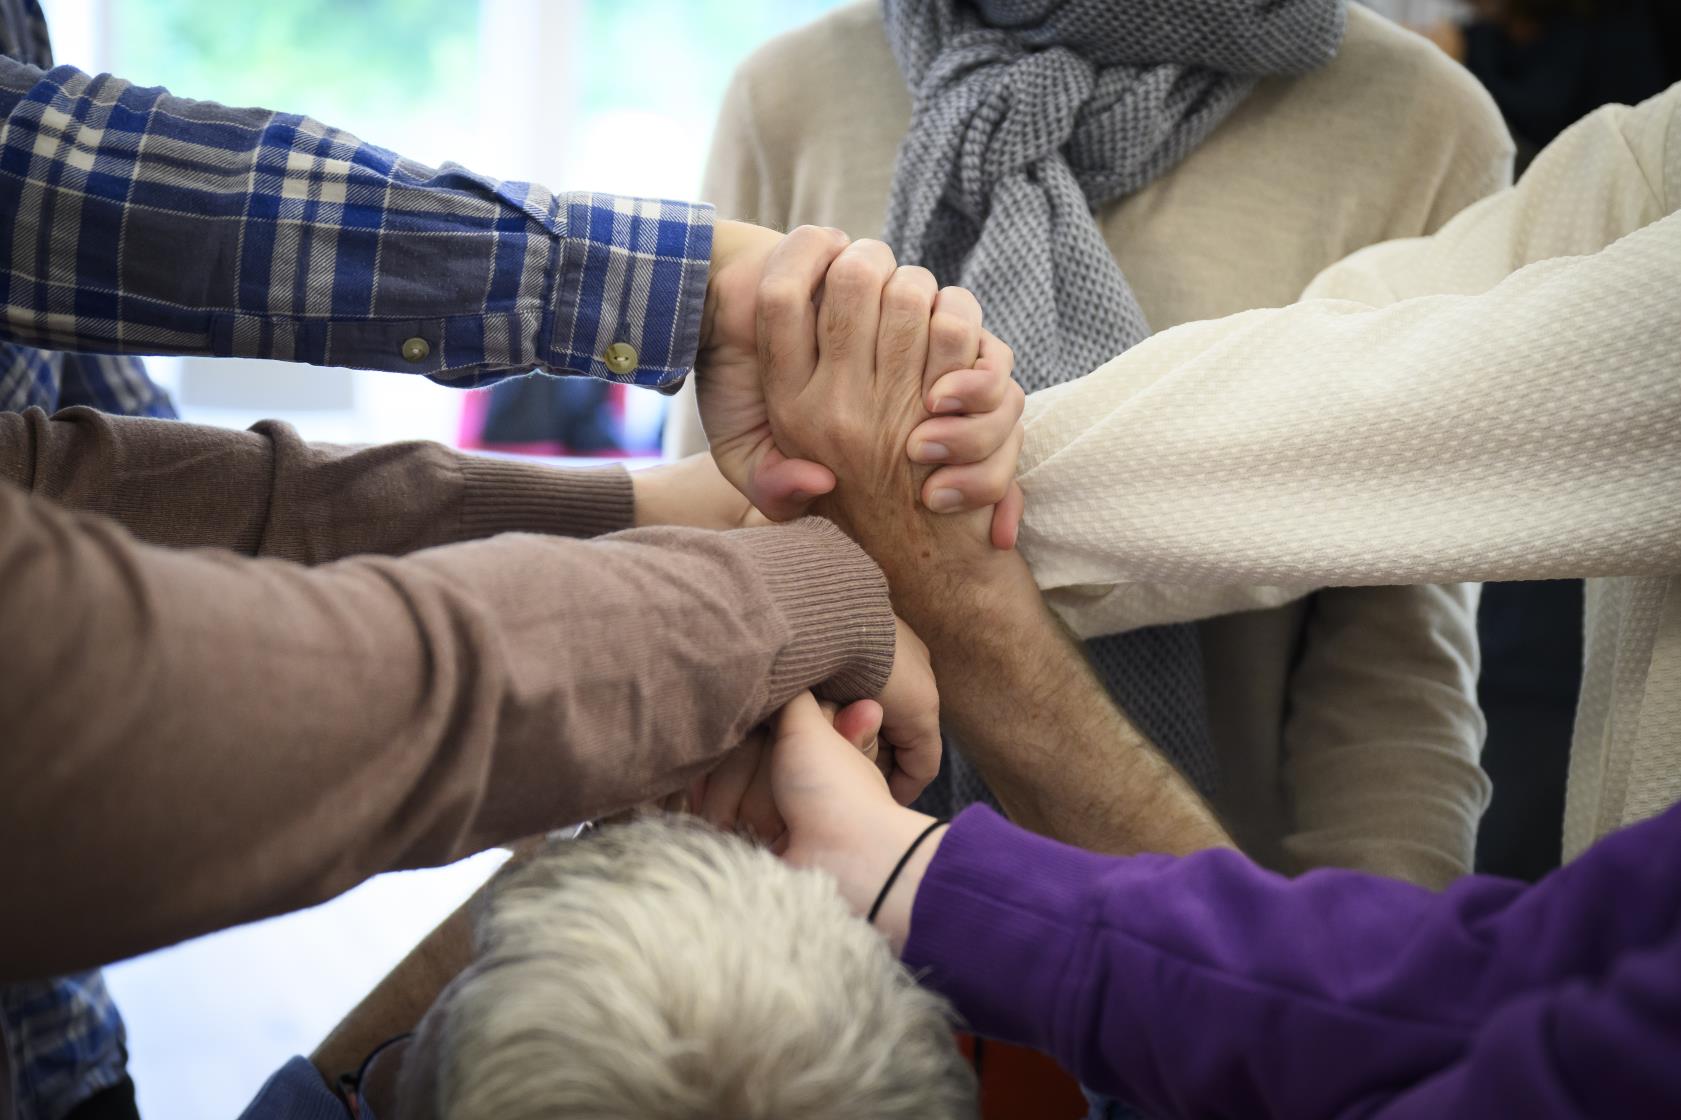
835	600
507	496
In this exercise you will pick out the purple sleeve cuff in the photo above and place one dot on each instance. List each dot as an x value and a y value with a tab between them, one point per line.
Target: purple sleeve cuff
1031	896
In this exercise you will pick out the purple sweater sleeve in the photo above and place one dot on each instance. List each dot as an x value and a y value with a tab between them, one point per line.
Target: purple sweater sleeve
1205	986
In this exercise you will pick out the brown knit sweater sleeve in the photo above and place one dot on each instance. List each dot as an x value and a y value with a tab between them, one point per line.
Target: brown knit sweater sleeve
195	738
266	492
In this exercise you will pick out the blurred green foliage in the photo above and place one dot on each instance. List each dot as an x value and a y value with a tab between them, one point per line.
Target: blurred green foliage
390	58
403	73
638	50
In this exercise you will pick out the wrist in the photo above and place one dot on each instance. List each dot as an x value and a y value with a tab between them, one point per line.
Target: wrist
733	244
502	496
905	845
667	495
943	575
725	245
842	632
648	489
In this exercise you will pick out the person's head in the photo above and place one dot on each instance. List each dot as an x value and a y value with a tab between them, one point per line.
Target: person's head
661	970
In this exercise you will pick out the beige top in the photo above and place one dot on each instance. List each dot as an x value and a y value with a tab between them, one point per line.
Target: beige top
243	673
1346	722
1499	401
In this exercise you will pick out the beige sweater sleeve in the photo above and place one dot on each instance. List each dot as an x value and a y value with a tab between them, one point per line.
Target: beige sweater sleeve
1523	427
1383	731
197	738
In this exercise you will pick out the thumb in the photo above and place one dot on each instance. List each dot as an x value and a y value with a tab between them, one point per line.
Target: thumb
860	724
810	757
782	488
801	719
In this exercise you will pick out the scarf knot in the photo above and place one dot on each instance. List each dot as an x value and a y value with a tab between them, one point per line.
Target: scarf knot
1026	116
1026	113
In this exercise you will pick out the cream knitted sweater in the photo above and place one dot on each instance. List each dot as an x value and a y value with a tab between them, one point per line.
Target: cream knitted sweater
1501	400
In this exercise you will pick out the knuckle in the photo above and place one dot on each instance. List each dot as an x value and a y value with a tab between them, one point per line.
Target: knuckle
960	302
853	274
948	332
877	252
990	392
907	295
780	296
1016	398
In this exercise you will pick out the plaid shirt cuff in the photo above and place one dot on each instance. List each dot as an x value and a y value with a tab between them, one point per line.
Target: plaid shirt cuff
138	222
631	288
67	1042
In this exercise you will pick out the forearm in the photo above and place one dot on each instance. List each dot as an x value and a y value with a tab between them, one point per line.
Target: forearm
1391	475
266	492
1355	441
195	242
1061	758
237	738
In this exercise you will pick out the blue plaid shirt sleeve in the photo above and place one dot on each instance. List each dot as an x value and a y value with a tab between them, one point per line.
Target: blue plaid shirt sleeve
66	1043
134	222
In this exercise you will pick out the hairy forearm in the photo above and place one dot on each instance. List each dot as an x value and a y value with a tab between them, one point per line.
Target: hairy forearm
1034	718
1062	760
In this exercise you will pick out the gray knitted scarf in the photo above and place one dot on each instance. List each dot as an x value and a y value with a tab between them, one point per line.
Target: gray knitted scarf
1027	116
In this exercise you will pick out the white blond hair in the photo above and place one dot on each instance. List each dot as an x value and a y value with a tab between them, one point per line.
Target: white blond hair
662	970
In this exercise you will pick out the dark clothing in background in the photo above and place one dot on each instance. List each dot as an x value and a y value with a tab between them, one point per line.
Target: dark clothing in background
115	1103
1531	636
1571	65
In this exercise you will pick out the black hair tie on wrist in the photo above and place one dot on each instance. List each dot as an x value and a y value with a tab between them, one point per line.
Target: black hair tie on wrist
893	876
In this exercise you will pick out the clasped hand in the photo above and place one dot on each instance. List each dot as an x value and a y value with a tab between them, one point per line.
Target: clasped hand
866	389
759	346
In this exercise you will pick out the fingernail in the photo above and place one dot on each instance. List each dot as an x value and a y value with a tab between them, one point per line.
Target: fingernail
944	501
931	452
948	404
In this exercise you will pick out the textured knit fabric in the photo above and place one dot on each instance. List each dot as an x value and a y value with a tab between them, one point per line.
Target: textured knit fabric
1345	722
67	1033
1026	118
1203	986
137	222
296	1092
141	223
1029	114
1498	401
245	734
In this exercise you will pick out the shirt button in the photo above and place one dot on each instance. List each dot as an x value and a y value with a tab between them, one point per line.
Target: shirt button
620	357
416	349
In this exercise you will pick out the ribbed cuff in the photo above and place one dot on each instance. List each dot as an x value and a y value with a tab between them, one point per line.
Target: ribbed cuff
505	496
1028	894
835	600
